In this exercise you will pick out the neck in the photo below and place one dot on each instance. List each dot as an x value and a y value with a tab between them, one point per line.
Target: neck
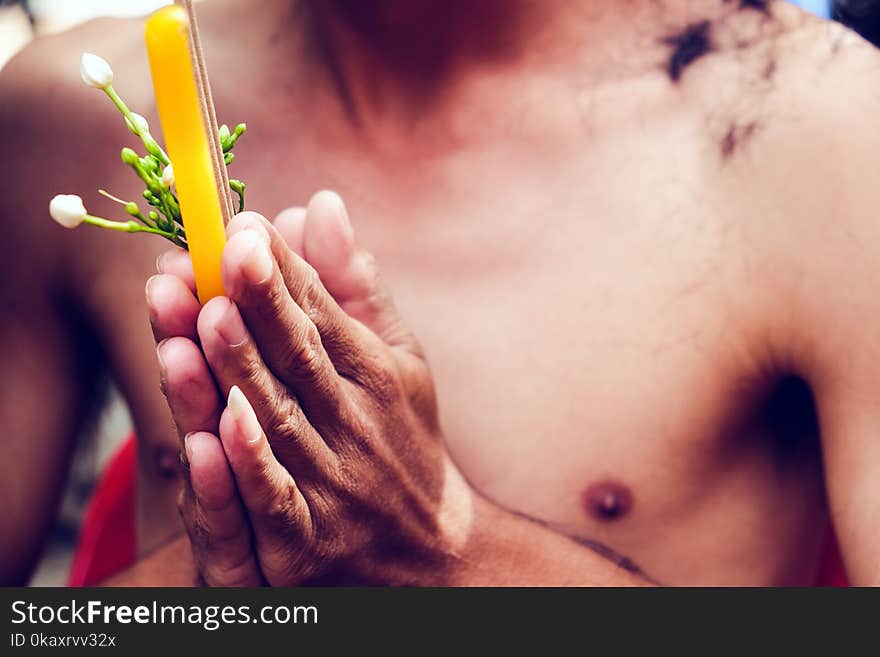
409	52
385	55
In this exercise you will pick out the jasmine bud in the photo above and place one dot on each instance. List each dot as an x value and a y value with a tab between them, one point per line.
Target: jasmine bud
168	177
68	210
95	71
140	125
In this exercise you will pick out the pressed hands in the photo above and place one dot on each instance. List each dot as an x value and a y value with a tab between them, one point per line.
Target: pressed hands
308	420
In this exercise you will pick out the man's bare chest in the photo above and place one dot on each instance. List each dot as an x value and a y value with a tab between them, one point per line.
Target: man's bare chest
592	335
580	333
601	370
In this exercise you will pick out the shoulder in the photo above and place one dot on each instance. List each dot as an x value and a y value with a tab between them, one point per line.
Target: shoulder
824	134
60	136
832	73
794	150
809	127
44	76
815	171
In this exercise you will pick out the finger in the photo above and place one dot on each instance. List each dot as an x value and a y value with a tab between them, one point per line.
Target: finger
290	224
290	342
302	283
357	354
278	512
235	360
173	308
215	519
188	386
350	273
177	262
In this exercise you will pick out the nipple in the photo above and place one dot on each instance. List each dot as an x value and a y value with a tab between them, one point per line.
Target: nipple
607	500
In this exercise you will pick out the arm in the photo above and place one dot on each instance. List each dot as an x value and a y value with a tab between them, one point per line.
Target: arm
832	279
41	407
506	549
848	393
843	365
47	381
350	482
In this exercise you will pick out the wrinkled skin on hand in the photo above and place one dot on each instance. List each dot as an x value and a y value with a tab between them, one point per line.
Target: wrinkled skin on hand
327	464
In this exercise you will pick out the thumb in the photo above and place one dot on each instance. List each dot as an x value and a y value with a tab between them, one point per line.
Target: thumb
349	272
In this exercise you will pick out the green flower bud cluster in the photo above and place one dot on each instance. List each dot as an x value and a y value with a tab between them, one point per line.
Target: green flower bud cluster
153	169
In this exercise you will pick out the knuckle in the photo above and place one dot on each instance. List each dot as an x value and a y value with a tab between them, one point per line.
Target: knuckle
250	369
262	470
198	529
306	353
311	292
285	427
384	382
282	507
270	298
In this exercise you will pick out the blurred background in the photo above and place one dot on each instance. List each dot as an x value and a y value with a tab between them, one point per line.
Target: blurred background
23	20
20	22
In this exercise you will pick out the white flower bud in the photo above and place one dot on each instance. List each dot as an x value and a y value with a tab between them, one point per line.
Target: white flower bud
168	177
95	71
68	210
141	123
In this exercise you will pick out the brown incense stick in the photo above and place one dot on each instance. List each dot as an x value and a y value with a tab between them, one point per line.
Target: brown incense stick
209	115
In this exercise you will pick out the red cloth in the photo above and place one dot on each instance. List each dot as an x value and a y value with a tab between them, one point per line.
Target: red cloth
107	539
107	542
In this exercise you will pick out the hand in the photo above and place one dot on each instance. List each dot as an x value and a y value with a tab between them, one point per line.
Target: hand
330	464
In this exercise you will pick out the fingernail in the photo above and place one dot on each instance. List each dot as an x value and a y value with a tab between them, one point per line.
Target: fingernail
257	262
160	261
187	448
342	213
231	328
243	414
148	291
159	349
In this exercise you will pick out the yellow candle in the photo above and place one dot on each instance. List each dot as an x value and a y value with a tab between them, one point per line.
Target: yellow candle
186	138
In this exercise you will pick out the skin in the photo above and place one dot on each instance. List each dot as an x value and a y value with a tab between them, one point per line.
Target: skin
605	290
375	499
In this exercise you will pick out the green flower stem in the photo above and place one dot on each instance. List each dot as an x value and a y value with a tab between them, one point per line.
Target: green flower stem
150	144
171	204
131	227
144	220
238	187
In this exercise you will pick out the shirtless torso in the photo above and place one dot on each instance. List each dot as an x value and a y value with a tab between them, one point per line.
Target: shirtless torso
633	267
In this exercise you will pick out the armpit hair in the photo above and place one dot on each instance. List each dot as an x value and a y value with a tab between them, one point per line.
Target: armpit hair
695	40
